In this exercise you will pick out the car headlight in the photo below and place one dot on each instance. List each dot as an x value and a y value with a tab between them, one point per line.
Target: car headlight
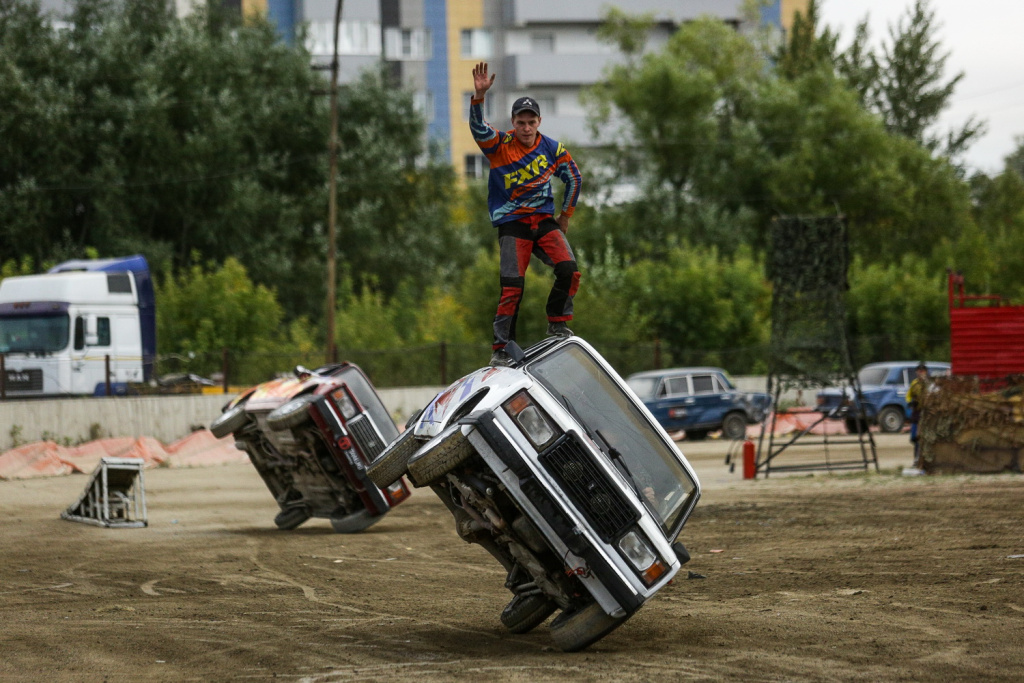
638	551
531	420
345	403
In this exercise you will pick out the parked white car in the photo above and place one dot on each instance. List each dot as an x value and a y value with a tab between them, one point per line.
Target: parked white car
558	470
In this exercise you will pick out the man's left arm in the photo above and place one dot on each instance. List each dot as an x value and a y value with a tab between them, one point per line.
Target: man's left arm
567	171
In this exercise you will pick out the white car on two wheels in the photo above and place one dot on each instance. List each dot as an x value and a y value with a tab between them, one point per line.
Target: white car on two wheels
556	468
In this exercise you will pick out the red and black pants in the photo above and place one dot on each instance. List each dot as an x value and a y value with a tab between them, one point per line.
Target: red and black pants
517	242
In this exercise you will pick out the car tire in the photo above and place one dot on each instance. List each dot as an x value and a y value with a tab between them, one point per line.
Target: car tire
696	434
355	522
734	426
292	414
443	458
891	419
292	518
391	464
523	614
573	631
230	421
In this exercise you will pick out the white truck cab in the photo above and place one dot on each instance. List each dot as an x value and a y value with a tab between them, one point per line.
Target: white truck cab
69	331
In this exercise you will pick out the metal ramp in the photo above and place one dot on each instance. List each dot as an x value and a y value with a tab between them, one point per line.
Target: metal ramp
114	497
809	346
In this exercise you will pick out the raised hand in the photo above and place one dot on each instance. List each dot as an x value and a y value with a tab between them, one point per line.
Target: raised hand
481	81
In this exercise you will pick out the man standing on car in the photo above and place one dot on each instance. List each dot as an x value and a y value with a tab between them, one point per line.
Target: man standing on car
521	204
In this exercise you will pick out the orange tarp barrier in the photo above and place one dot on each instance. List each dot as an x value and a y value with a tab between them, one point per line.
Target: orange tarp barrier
39	459
47	459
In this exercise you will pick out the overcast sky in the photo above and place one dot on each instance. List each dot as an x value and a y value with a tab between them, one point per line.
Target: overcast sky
984	40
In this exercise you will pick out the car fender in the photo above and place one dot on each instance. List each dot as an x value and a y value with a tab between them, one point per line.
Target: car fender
486	388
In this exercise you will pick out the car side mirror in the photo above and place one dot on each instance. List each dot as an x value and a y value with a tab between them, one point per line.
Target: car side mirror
92	337
681	552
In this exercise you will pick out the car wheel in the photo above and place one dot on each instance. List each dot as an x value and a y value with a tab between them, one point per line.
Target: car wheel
856	425
391	465
891	419
291	518
355	522
435	463
523	614
734	426
292	414
231	420
573	631
696	434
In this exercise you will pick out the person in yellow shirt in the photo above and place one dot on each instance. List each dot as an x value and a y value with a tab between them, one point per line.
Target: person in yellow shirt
915	396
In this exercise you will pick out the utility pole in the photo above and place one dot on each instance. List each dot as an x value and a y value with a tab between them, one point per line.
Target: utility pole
332	199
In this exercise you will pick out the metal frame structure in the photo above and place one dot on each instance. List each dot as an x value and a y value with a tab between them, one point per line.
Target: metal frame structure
114	497
810	348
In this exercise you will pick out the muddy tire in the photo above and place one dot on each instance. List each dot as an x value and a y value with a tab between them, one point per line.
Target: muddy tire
355	522
292	414
390	466
734	426
522	615
573	631
891	419
291	518
230	421
446	456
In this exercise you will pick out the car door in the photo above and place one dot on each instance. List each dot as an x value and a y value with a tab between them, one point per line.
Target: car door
672	403
708	401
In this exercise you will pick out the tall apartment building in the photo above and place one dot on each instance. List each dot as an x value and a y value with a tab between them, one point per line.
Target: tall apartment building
547	49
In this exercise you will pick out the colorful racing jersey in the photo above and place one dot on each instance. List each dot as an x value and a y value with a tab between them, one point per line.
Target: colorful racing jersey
519	185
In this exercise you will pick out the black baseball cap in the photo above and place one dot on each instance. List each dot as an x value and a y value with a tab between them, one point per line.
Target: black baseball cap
525	104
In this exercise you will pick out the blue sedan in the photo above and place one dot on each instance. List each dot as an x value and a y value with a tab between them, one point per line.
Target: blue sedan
698	401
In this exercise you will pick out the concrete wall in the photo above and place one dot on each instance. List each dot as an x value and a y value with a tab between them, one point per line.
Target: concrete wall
169	418
166	418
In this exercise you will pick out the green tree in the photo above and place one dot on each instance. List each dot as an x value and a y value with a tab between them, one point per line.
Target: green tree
906	82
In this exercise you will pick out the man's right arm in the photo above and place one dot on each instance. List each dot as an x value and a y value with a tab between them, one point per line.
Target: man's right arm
486	136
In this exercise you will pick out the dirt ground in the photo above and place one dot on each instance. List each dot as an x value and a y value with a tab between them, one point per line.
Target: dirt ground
824	577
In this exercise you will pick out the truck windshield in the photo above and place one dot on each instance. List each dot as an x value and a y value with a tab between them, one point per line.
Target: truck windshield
572	375
34	333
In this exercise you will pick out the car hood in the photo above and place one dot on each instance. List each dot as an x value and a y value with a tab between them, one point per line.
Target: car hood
496	383
276	392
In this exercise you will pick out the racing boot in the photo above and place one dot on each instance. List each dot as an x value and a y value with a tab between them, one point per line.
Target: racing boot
559	329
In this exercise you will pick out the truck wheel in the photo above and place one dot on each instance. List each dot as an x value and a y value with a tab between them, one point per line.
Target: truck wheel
891	419
734	426
390	466
355	522
573	631
231	420
434	464
291	518
522	615
292	414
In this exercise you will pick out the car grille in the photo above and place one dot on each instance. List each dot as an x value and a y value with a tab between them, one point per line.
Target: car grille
572	465
366	437
24	380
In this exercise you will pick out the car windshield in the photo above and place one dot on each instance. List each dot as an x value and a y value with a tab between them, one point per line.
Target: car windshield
872	375
643	386
574	376
34	333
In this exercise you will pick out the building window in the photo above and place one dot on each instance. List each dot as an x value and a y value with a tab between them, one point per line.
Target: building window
542	43
467	100
423	101
407	43
547	106
477	43
354	38
476	166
